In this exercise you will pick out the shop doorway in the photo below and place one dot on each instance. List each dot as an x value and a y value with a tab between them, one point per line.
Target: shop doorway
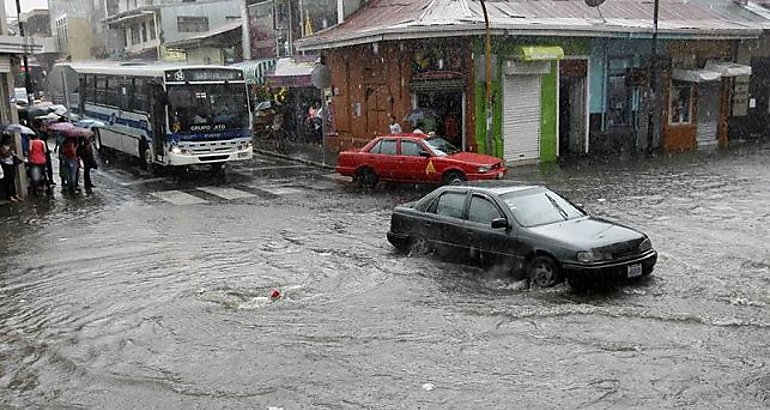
449	120
709	97
573	79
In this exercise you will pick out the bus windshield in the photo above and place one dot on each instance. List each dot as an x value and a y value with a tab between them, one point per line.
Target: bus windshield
207	107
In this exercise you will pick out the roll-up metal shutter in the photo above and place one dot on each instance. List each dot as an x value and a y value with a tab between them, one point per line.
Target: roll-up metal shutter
521	117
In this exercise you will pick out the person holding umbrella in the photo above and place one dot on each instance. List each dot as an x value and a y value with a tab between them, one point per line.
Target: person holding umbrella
69	156
86	154
9	160
37	157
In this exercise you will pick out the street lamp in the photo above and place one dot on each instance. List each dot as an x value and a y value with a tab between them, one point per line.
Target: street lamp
488	77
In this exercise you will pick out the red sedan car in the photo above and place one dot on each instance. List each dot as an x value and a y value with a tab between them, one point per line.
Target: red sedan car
416	158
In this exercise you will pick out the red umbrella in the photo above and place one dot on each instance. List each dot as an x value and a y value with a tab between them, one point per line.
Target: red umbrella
61	126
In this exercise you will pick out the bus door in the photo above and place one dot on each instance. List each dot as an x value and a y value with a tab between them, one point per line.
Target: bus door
158	119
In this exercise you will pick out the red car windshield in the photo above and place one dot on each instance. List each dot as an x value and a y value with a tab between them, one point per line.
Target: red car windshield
441	147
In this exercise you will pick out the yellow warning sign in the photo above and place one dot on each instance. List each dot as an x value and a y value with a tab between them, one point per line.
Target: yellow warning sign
430	169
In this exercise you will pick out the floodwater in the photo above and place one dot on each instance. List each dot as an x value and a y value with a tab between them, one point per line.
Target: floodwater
125	301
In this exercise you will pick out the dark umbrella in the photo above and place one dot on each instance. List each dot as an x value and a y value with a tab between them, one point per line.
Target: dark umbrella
38	111
417	114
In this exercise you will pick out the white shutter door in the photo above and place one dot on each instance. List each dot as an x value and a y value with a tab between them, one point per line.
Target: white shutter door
521	117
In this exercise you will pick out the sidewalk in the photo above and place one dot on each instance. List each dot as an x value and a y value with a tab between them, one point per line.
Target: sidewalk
305	152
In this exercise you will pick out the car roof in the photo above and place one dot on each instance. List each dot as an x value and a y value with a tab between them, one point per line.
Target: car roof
495	190
406	135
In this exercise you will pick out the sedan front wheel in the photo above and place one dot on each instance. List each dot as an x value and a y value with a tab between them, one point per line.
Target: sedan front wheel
543	272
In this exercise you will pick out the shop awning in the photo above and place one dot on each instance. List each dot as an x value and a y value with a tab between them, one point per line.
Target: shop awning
695	75
728	68
292	71
540	53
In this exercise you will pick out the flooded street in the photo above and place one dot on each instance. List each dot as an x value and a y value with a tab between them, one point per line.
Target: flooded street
138	297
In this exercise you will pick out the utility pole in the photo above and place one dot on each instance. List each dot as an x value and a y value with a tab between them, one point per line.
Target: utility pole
21	175
653	79
489	149
289	33
27	80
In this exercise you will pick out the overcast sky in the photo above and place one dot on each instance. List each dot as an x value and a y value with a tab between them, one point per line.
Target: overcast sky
26	5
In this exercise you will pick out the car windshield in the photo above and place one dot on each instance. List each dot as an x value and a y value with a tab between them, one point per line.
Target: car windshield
441	147
208	107
540	206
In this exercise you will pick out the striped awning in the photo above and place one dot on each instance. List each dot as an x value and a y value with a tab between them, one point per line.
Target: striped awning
254	70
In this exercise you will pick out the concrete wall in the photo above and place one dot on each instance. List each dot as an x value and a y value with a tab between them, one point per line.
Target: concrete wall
217	13
200	56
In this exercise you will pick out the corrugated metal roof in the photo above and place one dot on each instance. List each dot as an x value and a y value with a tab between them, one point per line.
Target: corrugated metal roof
194	41
400	19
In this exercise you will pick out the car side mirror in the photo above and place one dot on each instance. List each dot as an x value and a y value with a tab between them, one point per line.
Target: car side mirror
425	154
499	223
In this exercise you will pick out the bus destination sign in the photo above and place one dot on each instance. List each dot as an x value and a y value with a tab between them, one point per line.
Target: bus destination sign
204	74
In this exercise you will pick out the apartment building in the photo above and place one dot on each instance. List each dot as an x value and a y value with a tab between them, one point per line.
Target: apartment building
144	27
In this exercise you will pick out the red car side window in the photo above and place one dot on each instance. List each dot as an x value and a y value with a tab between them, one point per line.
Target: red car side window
387	147
375	149
410	148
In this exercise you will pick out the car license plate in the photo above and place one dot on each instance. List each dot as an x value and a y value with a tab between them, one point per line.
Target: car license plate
243	154
635	270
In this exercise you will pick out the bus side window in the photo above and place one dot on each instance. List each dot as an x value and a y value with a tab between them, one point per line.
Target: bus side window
140	93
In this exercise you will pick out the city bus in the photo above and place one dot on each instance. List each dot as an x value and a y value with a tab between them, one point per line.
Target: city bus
166	115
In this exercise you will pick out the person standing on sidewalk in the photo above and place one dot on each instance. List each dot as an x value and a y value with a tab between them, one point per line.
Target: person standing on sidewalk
37	162
9	161
394	127
86	154
69	156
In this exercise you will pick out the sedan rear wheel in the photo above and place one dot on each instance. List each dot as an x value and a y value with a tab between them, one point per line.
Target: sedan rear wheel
418	246
366	177
543	272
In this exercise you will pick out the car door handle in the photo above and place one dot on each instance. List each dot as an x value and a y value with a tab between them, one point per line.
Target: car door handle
428	223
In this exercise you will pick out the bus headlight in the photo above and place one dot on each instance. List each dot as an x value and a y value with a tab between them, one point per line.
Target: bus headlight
176	150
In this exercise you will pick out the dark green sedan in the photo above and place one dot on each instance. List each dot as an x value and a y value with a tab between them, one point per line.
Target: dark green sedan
540	234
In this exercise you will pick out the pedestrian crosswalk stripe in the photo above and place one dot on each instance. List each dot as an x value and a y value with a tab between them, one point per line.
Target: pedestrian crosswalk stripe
277	190
179	198
226	193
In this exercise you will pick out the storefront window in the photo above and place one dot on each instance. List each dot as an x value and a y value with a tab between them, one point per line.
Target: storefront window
680	108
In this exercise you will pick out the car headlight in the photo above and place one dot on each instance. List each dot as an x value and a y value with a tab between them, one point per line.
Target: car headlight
593	256
484	169
645	246
176	150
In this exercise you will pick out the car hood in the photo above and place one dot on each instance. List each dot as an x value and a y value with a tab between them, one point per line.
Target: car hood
587	233
473	158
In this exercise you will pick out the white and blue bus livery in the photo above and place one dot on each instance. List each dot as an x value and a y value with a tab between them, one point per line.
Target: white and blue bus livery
169	115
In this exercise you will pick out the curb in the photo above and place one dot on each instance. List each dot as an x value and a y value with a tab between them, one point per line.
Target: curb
284	156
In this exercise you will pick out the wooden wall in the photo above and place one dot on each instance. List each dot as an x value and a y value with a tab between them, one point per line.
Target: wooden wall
368	85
